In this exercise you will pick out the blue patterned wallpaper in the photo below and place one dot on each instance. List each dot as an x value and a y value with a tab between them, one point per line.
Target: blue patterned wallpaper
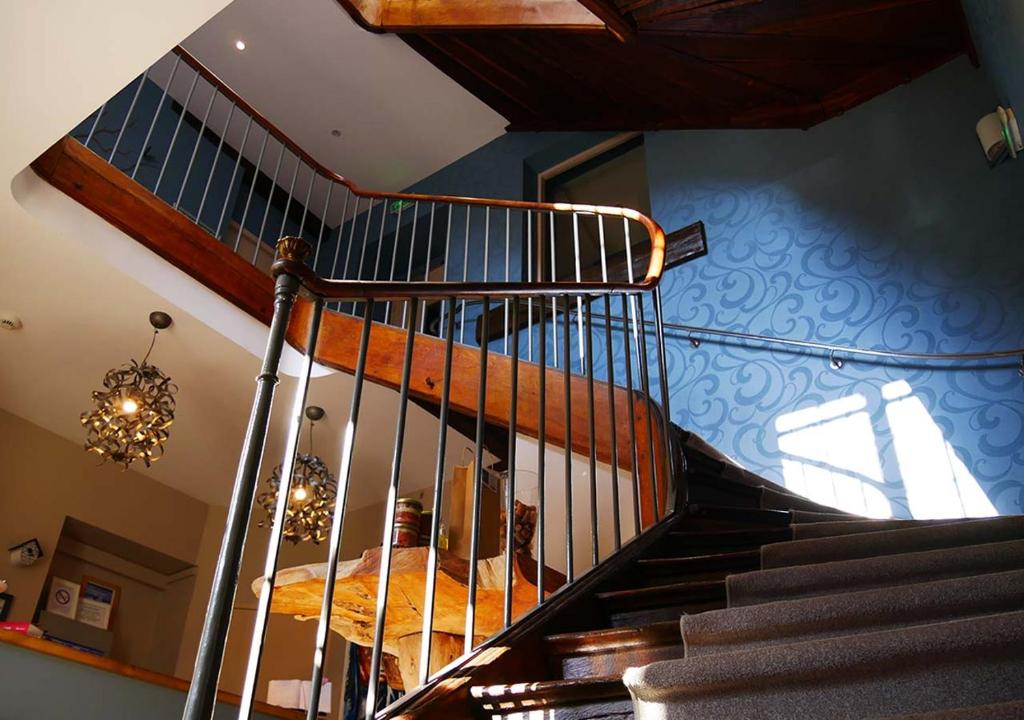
882	228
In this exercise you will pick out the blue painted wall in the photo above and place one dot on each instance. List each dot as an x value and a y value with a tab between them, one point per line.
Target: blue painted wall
884	227
997	27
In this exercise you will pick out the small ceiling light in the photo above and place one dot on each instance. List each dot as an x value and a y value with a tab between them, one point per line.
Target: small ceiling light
311	499
239	44
336	132
133	410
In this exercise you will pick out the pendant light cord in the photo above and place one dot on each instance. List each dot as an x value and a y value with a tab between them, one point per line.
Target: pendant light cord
151	344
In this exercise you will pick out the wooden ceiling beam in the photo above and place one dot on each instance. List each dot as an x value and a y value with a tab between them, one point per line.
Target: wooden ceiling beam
424	16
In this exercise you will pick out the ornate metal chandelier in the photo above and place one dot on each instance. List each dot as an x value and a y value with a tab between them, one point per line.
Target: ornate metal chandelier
133	410
311	496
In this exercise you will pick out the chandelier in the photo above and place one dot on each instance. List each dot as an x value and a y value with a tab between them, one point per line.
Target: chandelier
311	496
133	410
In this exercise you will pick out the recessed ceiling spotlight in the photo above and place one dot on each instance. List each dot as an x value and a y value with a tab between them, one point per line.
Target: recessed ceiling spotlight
239	44
336	132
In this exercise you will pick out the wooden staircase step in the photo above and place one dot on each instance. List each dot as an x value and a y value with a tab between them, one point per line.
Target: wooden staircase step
607	653
657	571
658	603
741	517
580	699
681	543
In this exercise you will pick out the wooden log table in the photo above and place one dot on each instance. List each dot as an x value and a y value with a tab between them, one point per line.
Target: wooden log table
299	591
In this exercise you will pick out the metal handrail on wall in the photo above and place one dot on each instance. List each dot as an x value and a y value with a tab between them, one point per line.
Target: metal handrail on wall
347	261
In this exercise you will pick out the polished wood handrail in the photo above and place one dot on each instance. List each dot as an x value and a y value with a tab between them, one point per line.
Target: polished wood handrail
132	672
655	233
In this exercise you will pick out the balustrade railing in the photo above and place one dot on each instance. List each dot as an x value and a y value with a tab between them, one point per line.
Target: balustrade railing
520	281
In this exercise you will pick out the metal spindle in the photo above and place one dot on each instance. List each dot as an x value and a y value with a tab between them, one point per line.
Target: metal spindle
630	405
612	427
384	578
252	187
426	263
478	480
234	173
266	592
266	210
288	202
305	206
152	123
646	387
504	343
529	279
579	300
394	256
195	148
127	117
174	137
554	306
465	270
341	232
366	236
213	167
510	505
659	322
412	252
567	385
380	240
202	693
542	373
338	522
591	429
323	223
435	522
96	122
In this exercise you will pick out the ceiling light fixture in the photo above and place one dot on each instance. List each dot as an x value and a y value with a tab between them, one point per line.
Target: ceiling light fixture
311	497
133	410
239	44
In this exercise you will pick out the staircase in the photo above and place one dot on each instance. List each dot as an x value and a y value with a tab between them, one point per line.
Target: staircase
754	610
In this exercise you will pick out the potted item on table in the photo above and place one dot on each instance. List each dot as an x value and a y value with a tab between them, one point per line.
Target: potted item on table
407	523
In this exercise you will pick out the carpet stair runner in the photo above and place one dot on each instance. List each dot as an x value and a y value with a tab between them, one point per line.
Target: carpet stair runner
757	603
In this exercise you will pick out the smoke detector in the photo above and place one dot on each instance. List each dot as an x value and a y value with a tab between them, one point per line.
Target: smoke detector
9	321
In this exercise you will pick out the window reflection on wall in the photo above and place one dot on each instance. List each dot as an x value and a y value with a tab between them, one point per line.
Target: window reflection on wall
830	455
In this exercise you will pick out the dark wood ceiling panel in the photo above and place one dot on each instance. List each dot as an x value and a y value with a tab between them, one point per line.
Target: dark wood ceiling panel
701	63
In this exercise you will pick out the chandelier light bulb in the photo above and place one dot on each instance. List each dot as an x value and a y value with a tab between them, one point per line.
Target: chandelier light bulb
129	406
299	494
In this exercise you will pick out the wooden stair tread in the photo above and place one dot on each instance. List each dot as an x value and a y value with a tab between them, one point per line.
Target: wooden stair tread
756	516
547	693
613	639
678	593
697	563
686	539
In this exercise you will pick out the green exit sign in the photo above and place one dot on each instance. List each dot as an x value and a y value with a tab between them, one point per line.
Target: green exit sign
398	206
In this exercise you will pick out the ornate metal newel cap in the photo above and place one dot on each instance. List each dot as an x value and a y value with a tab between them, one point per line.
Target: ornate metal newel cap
293	249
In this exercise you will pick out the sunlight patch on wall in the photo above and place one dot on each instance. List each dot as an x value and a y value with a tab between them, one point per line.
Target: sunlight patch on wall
831	456
937	483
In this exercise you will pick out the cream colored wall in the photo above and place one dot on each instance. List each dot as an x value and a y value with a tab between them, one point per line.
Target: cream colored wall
45	478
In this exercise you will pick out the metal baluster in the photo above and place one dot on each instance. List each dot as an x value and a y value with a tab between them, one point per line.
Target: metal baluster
234	173
252	186
152	123
323	224
447	247
504	343
195	148
96	122
202	693
341	232
426	263
510	505
465	269
288	202
474	539
435	522
579	300
284	490
384	578
305	206
645	383
174	137
270	201
635	465
366	236
567	384
127	117
213	168
529	279
632	300
659	322
591	429
542	372
394	256
554	306
412	251
610	364
338	522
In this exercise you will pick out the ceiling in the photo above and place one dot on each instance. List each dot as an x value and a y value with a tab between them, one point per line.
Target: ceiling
84	290
701	63
315	71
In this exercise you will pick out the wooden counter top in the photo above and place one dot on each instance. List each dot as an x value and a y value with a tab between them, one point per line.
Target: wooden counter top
131	671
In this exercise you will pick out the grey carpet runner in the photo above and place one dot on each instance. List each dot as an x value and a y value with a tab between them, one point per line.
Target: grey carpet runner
913	621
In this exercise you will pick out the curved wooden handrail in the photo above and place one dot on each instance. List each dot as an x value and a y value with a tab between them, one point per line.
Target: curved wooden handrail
655	233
